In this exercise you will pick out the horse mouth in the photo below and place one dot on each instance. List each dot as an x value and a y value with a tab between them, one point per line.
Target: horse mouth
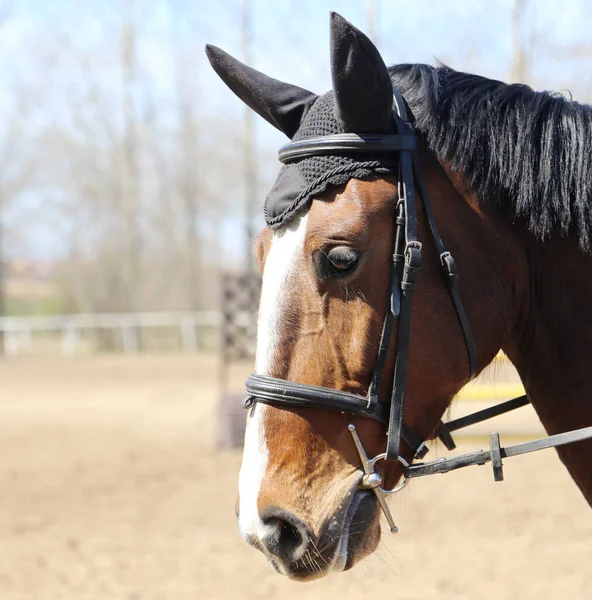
360	534
345	539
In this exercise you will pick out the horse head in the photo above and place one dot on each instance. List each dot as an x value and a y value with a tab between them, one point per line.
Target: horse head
335	219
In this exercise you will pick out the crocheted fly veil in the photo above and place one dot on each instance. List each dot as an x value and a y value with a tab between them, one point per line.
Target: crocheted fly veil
299	182
360	102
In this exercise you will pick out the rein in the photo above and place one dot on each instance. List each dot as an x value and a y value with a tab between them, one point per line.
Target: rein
406	262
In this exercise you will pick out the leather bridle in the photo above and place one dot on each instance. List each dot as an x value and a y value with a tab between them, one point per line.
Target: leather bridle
406	261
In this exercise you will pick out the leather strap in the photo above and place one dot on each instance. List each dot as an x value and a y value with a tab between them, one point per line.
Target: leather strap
272	390
487	413
393	309
346	142
412	262
445	465
450	270
411	265
444	430
280	392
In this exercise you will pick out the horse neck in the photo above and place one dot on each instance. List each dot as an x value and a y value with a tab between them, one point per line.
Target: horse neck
552	343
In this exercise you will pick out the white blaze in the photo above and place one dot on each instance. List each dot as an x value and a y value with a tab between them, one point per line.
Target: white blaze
281	261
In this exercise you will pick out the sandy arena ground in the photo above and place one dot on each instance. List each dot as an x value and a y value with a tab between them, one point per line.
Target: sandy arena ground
110	488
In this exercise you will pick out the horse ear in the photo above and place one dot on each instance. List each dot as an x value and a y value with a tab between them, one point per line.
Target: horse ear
282	104
361	82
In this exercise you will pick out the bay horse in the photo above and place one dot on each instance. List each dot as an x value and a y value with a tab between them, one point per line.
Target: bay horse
380	171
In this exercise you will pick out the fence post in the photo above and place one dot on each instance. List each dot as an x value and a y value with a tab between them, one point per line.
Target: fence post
69	340
11	345
129	338
240	300
188	334
26	336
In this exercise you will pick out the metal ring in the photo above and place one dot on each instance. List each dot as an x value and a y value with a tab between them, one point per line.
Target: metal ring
395	489
400	459
382	456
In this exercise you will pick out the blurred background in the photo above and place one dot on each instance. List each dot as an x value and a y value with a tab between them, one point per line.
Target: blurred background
131	187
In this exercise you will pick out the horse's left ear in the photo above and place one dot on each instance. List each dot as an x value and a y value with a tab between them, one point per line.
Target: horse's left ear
361	82
282	104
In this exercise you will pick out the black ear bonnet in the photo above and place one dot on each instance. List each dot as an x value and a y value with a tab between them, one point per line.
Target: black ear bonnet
301	181
360	102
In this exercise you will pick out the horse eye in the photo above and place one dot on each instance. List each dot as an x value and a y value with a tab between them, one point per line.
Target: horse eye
337	261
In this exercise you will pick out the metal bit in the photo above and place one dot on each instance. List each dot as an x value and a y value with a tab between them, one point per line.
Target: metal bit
372	480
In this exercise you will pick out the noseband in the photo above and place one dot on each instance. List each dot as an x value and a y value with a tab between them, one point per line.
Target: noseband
406	261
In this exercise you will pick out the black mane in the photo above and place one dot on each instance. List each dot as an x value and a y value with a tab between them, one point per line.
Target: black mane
525	153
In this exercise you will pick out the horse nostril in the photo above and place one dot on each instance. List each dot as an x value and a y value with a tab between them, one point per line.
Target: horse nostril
285	536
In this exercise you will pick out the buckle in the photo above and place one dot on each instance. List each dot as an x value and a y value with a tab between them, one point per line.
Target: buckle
372	399
412	264
413	254
445	436
448	262
496	456
421	451
449	265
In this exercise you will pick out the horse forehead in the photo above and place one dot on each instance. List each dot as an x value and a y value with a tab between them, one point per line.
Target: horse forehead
351	210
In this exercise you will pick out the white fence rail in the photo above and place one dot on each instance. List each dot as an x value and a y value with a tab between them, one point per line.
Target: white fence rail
18	332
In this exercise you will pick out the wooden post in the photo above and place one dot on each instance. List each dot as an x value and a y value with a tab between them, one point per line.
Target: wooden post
188	334
129	338
69	340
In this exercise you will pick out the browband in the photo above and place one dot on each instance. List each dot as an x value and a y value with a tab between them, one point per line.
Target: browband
345	142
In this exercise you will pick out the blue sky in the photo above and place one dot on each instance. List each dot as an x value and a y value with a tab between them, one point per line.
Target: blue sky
291	37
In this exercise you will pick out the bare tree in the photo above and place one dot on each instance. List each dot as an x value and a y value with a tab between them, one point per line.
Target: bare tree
188	159
249	144
17	174
520	64
129	184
